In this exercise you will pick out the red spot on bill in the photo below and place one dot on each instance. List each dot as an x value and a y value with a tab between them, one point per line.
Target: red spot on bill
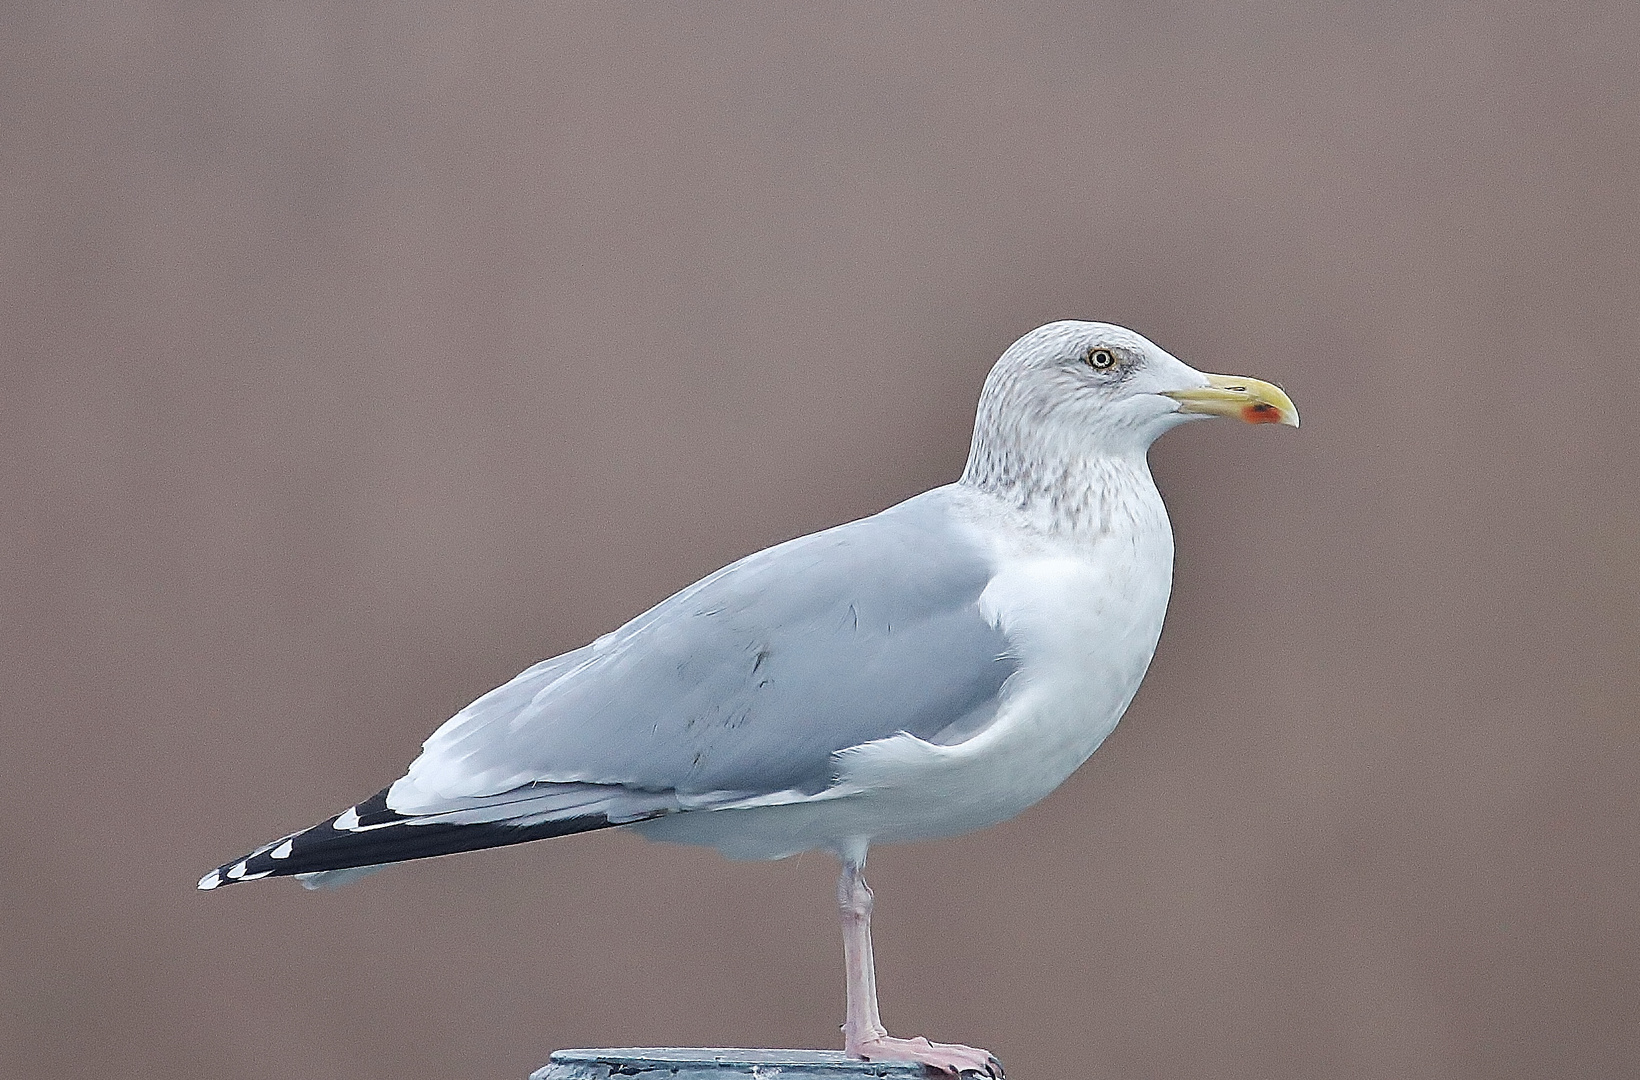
1261	413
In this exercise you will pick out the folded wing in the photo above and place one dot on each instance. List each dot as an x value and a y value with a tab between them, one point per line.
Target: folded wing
742	686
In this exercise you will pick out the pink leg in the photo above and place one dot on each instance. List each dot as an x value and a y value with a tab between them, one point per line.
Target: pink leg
863	1033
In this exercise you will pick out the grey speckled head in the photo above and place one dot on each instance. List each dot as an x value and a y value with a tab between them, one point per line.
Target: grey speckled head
1073	392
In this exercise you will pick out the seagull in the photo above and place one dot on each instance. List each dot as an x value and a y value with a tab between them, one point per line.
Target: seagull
929	670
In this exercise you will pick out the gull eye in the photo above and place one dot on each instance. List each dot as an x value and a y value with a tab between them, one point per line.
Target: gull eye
1101	359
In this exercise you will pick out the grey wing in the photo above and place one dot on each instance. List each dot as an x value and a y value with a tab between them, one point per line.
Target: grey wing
746	683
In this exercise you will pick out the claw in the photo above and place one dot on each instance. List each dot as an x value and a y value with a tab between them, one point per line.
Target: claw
993	1070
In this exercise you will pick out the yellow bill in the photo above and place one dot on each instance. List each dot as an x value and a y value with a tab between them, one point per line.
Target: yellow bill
1254	400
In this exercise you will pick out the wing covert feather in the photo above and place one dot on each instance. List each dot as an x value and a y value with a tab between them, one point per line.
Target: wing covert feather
751	679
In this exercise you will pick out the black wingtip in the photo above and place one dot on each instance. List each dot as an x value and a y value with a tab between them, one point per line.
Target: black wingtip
370	834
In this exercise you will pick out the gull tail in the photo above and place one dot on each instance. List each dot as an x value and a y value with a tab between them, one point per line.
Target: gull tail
370	836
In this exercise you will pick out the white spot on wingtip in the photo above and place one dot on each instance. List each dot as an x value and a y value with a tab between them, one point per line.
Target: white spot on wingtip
210	881
347	822
281	852
253	877
238	870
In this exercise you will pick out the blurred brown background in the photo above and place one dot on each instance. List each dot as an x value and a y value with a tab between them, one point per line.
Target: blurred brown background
357	355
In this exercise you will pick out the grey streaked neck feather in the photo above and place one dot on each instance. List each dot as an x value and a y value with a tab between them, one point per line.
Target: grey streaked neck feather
1047	461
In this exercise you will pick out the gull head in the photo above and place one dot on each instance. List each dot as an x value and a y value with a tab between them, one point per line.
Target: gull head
1091	388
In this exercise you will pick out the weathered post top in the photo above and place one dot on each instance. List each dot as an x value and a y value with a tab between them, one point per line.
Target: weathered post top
719	1063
